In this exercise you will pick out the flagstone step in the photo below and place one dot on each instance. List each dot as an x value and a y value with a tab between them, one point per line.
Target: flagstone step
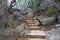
37	32
34	28
36	36
31	24
29	18
29	21
35	39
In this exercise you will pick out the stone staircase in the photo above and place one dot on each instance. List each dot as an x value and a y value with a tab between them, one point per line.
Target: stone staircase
35	32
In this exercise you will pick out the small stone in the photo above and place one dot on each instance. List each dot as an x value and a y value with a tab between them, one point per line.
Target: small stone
57	25
54	35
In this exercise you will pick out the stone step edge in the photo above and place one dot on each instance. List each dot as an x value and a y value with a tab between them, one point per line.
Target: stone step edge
35	39
41	37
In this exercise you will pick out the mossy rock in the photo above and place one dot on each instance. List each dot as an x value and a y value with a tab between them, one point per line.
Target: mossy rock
50	10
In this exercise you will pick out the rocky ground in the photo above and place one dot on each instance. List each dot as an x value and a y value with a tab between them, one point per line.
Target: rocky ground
36	21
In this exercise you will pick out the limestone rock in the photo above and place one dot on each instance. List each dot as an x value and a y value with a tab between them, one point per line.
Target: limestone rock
22	29
30	11
46	21
54	35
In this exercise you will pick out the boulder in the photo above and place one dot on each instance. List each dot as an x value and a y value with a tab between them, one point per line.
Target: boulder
23	29
8	3
17	15
23	9
47	20
53	35
37	21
